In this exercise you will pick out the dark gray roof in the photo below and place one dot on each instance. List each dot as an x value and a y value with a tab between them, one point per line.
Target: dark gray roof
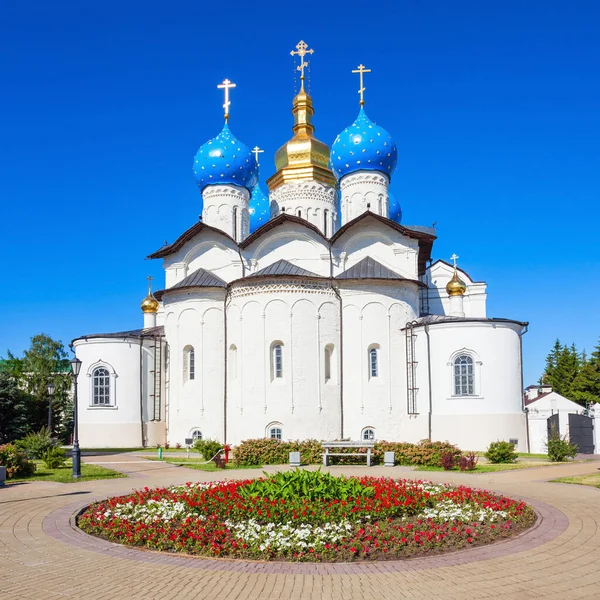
132	333
369	268
283	267
433	319
199	278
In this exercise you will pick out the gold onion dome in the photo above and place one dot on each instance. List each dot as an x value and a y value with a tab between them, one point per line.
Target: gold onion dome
304	157
149	304
456	286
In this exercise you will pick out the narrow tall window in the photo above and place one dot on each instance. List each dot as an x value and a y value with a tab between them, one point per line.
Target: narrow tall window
328	354
235	223
299	213
464	376
374	362
192	358
101	387
189	363
325	220
277	361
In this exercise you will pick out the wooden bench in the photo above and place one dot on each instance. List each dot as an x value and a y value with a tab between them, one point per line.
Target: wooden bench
328	446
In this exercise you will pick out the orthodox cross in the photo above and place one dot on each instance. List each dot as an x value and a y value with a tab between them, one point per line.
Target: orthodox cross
256	150
361	70
453	258
149	278
302	51
226	86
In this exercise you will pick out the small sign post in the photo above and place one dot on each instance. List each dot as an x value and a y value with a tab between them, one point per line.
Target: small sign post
188	445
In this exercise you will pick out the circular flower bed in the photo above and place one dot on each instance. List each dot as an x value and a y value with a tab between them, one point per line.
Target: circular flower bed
308	516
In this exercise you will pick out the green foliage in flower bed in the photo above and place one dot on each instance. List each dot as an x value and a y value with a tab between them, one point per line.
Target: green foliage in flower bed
559	448
15	461
207	448
311	485
36	444
55	458
266	451
380	518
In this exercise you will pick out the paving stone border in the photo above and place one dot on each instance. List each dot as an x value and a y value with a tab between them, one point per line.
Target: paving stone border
550	523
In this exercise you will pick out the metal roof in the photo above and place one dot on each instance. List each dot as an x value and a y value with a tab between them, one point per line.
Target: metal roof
283	267
132	333
199	278
369	268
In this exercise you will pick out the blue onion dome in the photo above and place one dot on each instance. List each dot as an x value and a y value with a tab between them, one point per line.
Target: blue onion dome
259	208
363	146
225	159
395	209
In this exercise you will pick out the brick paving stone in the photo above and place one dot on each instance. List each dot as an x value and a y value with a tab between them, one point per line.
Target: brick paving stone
43	557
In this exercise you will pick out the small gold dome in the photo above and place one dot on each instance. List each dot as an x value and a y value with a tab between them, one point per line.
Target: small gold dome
456	287
149	304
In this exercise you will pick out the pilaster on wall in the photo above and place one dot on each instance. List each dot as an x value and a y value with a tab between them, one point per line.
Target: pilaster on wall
362	191
310	200
226	208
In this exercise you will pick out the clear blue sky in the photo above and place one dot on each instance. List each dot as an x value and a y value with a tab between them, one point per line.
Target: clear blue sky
495	107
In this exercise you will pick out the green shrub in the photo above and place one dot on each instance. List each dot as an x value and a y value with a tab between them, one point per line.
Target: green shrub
208	448
15	461
55	458
309	485
501	452
37	444
267	451
559	448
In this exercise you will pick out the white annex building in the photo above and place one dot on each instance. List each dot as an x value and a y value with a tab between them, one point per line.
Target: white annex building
308	313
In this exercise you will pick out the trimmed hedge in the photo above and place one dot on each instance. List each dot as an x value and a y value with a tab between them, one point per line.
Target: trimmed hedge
267	451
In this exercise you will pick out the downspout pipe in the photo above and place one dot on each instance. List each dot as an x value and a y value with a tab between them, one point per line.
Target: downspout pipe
429	380
142	391
226	366
523	407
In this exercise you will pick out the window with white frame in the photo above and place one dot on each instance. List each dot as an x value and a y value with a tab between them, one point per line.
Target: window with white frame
196	434
328	361
189	363
276	360
100	387
373	361
368	434
275	432
464	375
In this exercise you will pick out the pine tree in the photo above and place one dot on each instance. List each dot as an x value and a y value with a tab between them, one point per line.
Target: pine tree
586	386
562	366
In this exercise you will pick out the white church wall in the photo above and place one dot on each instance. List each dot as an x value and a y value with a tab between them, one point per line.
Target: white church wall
372	238
207	250
117	424
195	320
474	300
292	242
494	411
362	191
303	321
374	314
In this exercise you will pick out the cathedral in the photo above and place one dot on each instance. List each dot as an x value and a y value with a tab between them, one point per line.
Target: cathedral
308	312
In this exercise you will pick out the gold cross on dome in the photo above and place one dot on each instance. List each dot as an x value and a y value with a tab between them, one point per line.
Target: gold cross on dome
454	258
150	279
226	86
361	70
302	50
256	150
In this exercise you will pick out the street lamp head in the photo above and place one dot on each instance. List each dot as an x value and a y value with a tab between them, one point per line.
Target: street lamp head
51	389
75	366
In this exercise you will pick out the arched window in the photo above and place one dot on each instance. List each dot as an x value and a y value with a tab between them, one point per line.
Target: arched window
235	223
275	432
299	213
464	376
277	360
368	434
196	434
325	220
374	361
233	361
100	387
189	363
328	359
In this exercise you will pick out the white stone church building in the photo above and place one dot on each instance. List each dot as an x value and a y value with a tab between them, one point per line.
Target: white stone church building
310	312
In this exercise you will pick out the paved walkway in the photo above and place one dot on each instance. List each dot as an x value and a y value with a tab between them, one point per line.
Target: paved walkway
42	558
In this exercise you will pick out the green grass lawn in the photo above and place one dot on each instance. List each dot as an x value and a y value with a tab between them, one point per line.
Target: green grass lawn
491	468
64	474
592	480
198	464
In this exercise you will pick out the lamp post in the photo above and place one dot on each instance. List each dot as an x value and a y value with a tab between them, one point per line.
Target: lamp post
50	395
76	454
